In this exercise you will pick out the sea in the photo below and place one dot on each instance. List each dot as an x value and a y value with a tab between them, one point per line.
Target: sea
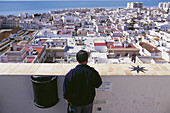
32	7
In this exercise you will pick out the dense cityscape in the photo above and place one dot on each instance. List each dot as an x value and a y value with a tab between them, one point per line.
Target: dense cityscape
84	56
135	34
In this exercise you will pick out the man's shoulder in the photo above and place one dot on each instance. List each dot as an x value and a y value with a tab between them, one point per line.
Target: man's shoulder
71	70
91	68
84	66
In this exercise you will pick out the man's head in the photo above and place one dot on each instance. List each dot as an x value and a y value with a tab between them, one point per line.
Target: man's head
82	57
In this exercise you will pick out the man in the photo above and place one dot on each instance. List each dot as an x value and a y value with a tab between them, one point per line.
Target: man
133	57
79	85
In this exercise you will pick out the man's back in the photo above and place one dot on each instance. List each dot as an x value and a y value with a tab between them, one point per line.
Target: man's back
80	84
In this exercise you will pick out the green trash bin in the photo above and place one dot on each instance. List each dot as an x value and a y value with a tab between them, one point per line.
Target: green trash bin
45	91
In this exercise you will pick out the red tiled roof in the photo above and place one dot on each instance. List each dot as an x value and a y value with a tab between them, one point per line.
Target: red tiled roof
91	33
110	45
114	29
70	28
99	44
38	49
69	32
60	32
120	29
43	40
30	59
115	39
144	9
149	47
101	32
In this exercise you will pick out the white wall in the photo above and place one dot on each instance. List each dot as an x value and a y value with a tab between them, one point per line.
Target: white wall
128	94
166	56
101	48
16	96
139	94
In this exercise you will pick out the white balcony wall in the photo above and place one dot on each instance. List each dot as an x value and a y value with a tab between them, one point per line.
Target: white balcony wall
127	94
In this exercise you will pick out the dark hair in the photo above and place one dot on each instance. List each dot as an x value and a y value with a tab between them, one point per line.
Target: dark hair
82	56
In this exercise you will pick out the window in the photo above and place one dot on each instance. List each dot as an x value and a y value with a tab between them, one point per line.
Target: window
118	54
49	55
126	54
110	45
54	54
60	54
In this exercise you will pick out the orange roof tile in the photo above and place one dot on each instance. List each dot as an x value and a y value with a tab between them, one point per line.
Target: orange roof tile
99	44
30	59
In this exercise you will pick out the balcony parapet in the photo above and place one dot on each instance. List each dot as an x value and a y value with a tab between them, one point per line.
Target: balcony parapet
103	69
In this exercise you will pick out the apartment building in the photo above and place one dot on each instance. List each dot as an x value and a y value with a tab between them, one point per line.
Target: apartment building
10	23
164	5
5	38
134	5
126	50
14	55
165	27
55	48
35	53
100	45
24	54
149	50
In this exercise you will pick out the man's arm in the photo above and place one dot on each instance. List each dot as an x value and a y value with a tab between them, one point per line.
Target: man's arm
97	79
67	87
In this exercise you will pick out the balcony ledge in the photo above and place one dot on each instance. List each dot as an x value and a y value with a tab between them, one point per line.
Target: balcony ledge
103	69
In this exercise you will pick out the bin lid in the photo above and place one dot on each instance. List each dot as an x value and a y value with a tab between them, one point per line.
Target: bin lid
42	79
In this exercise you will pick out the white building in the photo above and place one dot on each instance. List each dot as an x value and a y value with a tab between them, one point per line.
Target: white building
99	57
164	5
64	34
14	55
100	46
166	55
91	33
149	50
134	5
165	27
24	15
29	24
